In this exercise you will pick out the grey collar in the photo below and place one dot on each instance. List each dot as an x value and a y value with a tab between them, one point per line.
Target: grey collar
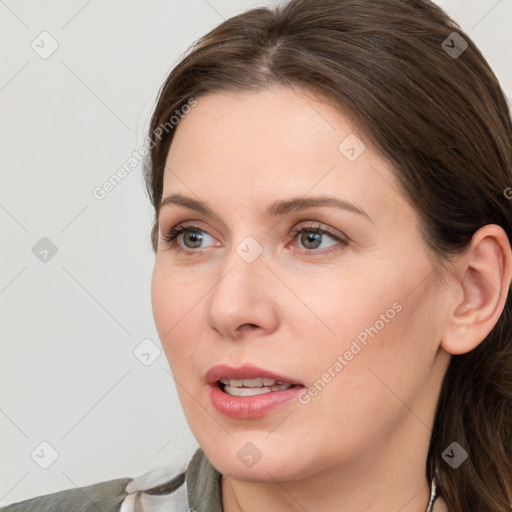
433	496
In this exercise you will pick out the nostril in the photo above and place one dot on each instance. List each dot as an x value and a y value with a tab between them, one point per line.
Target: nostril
252	326
247	327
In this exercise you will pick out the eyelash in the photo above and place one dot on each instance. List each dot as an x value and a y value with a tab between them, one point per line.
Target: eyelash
173	233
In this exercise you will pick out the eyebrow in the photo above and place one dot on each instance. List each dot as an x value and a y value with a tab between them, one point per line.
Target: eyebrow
280	207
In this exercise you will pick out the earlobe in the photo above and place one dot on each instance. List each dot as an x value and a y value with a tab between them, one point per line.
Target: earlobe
484	275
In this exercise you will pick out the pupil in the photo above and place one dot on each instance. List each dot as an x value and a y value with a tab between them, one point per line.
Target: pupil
308	238
194	238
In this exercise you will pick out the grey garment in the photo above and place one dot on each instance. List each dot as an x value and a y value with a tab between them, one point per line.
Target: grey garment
203	484
102	497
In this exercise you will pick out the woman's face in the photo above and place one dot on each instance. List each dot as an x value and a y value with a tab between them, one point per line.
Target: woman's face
304	266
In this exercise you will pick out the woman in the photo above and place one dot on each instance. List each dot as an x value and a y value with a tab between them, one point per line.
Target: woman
332	267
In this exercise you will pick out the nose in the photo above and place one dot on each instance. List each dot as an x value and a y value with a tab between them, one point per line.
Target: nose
243	300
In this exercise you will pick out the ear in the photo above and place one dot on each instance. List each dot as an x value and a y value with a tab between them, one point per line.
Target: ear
483	276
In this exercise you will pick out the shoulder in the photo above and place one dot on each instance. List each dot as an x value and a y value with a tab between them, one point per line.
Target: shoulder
168	488
101	497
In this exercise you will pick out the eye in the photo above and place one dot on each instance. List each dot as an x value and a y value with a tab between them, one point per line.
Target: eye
190	236
311	239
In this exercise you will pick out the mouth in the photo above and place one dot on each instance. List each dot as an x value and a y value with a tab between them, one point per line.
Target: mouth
248	391
251	387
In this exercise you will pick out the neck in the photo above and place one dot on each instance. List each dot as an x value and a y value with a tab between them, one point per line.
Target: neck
388	476
246	497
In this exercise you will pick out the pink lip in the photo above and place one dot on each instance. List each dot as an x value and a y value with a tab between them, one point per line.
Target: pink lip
247	371
247	407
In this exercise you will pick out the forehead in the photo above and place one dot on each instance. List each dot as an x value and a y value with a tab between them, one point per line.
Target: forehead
273	143
270	124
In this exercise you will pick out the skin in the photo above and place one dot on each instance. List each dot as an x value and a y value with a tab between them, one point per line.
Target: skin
363	440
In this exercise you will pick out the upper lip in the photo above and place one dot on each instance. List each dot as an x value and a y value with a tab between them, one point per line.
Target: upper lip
246	371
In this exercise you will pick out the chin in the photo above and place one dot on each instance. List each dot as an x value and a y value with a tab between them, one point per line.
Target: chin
252	458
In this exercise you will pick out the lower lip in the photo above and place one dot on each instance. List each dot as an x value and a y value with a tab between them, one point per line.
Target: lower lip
246	407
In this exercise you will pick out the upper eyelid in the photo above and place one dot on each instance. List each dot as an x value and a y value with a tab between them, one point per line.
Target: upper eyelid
196	224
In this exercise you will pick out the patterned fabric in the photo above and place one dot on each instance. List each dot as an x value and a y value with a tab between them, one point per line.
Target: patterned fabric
196	490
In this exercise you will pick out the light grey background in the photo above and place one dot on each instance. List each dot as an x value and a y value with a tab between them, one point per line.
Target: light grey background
70	325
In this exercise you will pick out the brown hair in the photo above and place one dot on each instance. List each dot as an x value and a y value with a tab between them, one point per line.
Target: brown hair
441	119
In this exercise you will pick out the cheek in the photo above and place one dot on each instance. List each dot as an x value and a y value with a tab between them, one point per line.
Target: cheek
174	301
343	306
375	301
382	361
378	327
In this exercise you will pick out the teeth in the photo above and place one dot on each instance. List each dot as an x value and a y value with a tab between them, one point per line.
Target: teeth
250	391
281	387
251	383
256	386
245	391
